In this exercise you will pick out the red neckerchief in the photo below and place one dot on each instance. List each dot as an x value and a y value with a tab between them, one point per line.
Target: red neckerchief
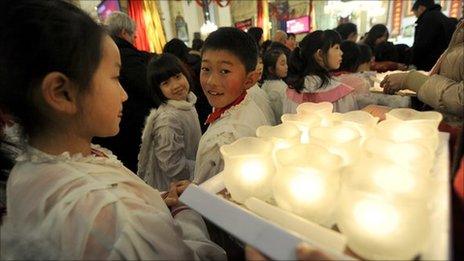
216	114
338	73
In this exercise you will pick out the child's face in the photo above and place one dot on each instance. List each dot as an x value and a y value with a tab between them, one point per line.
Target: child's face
223	77
334	57
175	88
102	103
281	67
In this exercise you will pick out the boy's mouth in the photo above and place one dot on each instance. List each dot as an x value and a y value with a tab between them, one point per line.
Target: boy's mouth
215	93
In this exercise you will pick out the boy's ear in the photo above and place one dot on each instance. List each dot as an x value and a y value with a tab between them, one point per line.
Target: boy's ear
251	79
59	93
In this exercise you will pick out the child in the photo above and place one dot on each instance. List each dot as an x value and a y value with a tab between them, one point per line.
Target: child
260	96
66	198
309	79
227	70
275	69
355	61
172	131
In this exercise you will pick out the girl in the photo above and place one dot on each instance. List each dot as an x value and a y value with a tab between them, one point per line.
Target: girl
309	79
275	69
172	131
66	198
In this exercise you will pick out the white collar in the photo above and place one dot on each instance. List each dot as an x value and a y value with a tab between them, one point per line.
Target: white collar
184	105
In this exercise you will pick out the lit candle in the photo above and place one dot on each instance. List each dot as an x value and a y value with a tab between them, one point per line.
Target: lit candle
307	182
339	139
363	121
418	118
320	109
304	123
248	168
282	136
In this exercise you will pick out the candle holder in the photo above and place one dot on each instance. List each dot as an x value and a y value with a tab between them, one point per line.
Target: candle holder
339	139
248	168
418	118
322	109
282	136
382	226
405	131
412	155
363	121
307	182
304	122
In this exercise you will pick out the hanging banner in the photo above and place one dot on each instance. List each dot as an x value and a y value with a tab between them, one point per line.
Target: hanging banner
244	25
396	17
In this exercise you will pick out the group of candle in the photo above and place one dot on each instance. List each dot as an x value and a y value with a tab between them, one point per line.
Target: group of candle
371	179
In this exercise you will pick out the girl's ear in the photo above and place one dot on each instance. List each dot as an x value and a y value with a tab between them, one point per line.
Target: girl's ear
319	57
60	93
251	79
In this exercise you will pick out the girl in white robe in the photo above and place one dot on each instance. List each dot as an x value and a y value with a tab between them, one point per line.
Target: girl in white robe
172	132
66	198
309	79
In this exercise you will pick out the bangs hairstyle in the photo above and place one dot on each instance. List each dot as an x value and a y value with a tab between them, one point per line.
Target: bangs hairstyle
160	69
269	63
302	62
235	41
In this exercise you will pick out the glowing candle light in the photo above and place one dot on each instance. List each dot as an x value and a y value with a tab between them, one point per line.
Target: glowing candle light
418	118
248	168
304	123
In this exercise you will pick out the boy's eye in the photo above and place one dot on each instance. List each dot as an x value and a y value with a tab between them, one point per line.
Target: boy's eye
178	76
205	69
225	71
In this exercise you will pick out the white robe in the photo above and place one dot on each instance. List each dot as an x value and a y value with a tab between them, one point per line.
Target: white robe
275	90
263	102
239	121
169	143
93	208
343	100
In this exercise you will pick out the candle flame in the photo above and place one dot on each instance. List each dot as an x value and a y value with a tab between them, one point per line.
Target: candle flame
376	217
252	171
307	187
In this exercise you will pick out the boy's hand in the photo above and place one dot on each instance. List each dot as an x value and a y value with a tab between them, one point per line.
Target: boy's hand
172	199
182	185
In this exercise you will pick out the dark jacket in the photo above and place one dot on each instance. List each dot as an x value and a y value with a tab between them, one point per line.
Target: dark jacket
432	35
133	79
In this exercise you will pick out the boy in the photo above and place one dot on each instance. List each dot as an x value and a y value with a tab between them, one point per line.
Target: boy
228	64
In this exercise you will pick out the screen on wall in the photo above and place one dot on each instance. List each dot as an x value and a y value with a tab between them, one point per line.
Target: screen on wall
298	25
106	7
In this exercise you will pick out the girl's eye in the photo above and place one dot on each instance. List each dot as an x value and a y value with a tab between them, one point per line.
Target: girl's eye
164	83
225	71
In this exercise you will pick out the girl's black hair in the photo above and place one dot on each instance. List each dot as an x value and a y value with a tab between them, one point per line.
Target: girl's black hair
256	33
161	69
177	48
346	29
269	63
365	54
39	37
350	58
303	63
376	32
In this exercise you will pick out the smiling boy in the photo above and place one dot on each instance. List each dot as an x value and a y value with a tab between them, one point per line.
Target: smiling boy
228	64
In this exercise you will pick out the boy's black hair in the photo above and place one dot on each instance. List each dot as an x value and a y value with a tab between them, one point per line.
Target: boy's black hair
346	29
351	54
365	53
302	62
236	42
160	69
197	44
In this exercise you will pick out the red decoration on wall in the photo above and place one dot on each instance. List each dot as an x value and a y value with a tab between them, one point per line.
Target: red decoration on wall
396	16
135	10
454	9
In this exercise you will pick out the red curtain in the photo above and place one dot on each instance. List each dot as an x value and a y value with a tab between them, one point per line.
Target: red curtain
135	10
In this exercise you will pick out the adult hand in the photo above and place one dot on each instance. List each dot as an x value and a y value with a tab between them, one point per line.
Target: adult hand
393	82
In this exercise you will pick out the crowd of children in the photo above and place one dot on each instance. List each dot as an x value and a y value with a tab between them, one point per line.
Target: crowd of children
64	90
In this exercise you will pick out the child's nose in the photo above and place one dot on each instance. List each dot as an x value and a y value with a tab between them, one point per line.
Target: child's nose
124	95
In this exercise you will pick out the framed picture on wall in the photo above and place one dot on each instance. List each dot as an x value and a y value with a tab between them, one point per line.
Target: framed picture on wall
182	29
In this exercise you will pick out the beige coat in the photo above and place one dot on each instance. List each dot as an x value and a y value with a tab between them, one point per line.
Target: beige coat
444	91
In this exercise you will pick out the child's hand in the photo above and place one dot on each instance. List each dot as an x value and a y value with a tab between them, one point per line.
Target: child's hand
172	199
182	185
